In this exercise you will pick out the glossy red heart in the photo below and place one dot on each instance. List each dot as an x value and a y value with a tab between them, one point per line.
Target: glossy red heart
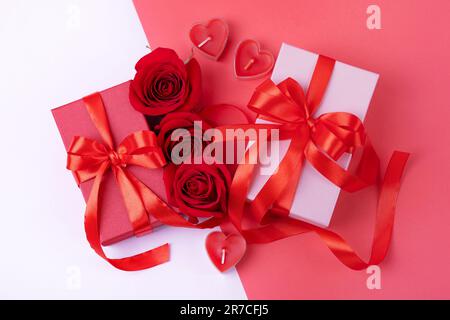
225	251
251	62
210	39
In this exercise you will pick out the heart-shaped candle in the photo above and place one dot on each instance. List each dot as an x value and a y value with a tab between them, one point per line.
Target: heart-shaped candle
251	62
225	251
210	39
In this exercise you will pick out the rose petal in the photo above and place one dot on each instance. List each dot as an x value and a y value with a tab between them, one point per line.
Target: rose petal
160	56
194	75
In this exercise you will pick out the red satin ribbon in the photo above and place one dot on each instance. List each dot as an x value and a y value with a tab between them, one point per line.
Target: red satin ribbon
89	159
321	141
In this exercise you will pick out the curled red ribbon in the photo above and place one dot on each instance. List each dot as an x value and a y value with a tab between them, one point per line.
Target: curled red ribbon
90	159
321	141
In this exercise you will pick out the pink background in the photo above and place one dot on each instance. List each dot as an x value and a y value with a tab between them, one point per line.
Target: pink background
409	111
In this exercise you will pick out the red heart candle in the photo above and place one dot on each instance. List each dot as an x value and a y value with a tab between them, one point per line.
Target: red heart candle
225	251
251	62
210	39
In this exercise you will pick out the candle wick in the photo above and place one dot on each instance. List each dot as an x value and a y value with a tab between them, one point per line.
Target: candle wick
204	42
249	64
223	256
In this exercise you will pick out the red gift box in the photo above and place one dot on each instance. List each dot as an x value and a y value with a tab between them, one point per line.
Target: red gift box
73	120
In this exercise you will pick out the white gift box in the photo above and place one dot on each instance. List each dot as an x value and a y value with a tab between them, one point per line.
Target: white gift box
350	90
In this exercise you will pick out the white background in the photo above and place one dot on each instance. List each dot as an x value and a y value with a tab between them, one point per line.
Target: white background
51	53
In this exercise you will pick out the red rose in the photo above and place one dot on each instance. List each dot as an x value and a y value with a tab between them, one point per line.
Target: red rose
198	190
163	83
181	120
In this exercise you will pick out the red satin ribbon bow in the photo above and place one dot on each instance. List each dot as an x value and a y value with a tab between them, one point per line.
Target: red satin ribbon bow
89	159
321	141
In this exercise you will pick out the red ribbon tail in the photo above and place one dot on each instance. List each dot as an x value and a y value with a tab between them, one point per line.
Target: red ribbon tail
137	262
384	220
